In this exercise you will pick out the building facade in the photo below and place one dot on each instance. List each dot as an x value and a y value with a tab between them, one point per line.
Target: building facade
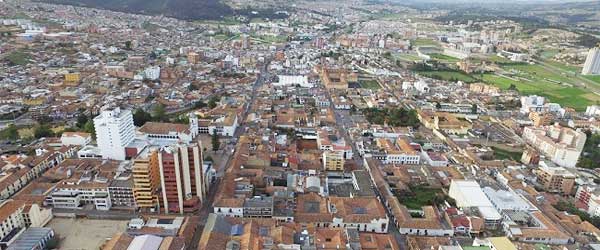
182	180
114	131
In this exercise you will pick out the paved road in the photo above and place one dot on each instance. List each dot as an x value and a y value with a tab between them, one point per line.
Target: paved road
227	153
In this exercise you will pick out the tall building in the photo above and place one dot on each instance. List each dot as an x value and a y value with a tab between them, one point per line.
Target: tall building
183	185
592	62
146	179
114	131
560	145
333	160
555	179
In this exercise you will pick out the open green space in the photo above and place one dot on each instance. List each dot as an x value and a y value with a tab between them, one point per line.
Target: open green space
444	58
533	79
502	154
271	39
369	84
448	75
18	57
407	57
419	196
420	42
595	78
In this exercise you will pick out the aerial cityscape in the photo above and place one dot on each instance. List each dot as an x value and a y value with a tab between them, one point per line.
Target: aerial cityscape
299	125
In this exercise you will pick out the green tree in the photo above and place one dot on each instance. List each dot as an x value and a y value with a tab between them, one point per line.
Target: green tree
212	103
42	131
128	45
159	113
82	119
474	108
10	133
182	119
438	105
140	117
216	143
89	128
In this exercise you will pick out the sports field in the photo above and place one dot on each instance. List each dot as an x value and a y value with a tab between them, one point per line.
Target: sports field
533	79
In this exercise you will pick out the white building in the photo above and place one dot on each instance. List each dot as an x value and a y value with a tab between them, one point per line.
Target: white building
288	80
532	103
75	138
592	62
11	218
114	131
593	110
561	145
152	73
468	194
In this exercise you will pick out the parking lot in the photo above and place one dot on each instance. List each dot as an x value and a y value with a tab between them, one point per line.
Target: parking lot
75	234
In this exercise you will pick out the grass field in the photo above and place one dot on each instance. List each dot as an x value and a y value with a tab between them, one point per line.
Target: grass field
18	57
594	78
422	196
420	42
502	154
537	80
448	75
443	58
407	57
369	84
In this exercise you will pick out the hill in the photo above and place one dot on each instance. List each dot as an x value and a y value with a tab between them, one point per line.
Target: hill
182	9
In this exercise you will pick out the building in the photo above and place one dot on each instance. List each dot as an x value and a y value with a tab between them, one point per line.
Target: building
193	57
182	180
589	197
11	221
258	207
333	161
33	238
468	194
400	152
560	145
146	179
152	73
541	118
532	103
293	80
114	131
174	132
592	62
593	110
366	214
555	179
75	138
72	78
445	122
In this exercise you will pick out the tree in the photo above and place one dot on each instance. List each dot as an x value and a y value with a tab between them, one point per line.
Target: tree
128	45
82	119
182	119
216	144
212	103
10	133
199	104
42	131
159	113
89	128
438	105
140	117
474	108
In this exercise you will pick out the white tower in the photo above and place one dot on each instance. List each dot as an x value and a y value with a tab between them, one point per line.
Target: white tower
114	131
592	62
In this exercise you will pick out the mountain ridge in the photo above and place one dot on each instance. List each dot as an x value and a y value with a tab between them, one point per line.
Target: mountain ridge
181	9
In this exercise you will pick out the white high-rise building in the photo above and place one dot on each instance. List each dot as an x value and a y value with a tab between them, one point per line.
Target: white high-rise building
592	62
114	131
